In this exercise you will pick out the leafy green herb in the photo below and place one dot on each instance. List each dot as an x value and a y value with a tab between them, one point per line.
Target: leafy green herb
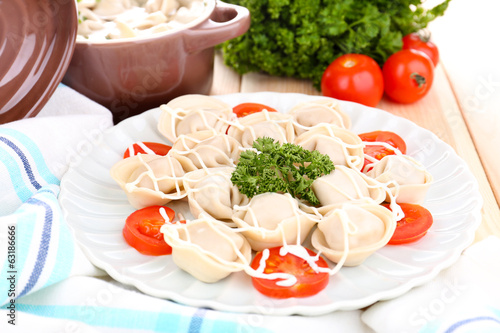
300	38
280	168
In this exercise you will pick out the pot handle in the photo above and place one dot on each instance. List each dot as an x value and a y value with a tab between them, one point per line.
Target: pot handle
227	21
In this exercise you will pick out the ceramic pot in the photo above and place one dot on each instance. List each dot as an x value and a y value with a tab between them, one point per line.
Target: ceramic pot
130	76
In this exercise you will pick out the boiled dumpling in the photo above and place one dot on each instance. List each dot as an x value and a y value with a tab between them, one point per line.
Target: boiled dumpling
322	111
273	125
193	113
407	179
341	145
207	249
270	219
206	149
344	185
212	192
367	227
150	179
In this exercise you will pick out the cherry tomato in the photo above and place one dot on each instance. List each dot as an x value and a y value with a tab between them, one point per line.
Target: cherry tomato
354	77
408	76
142	230
155	147
309	282
413	226
377	151
245	109
421	42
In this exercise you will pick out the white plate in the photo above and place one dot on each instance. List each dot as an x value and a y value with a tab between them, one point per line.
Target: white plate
96	209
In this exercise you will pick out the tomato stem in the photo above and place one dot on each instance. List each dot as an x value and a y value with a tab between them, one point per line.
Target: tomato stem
424	35
419	79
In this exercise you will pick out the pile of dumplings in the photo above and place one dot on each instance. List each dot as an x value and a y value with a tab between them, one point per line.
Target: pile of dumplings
100	20
227	226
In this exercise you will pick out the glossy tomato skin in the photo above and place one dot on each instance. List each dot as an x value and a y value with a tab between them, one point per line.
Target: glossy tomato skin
354	77
156	147
413	226
244	109
419	42
377	151
308	283
408	76
142	230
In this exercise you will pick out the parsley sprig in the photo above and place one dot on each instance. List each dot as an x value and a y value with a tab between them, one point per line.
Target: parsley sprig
287	168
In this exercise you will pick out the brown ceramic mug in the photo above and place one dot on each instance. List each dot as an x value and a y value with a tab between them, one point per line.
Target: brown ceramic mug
130	76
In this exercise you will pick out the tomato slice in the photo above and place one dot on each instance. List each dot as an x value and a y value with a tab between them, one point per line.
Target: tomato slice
413	226
378	151
142	230
147	148
244	109
309	282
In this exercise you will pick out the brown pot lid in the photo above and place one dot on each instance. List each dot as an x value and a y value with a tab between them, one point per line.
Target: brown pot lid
37	40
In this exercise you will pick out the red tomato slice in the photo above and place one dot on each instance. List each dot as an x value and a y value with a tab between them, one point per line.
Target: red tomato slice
245	109
154	147
308	282
413	226
379	152
142	230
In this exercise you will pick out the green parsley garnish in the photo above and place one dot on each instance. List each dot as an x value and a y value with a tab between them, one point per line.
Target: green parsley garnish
286	168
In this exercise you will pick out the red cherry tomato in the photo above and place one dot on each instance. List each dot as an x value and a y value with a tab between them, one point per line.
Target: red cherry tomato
142	230
309	282
377	151
354	77
413	226
245	109
422	43
408	76
155	147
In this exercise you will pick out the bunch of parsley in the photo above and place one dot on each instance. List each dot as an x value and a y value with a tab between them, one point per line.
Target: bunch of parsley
300	38
287	168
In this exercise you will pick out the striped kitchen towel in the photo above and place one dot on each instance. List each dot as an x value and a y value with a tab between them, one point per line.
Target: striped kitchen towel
37	249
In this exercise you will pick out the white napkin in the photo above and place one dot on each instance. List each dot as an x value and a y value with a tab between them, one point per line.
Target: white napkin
463	298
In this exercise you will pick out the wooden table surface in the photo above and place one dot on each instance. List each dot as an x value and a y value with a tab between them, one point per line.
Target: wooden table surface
462	107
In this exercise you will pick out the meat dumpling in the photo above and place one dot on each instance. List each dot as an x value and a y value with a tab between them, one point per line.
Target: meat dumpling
367	227
193	113
150	179
206	149
322	111
212	192
275	125
342	146
407	179
270	219
345	185
207	249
